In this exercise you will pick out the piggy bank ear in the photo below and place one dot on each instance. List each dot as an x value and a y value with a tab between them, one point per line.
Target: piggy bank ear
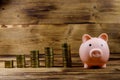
86	37
104	36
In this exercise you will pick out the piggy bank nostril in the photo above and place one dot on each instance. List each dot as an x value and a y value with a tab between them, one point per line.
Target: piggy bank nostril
101	44
95	53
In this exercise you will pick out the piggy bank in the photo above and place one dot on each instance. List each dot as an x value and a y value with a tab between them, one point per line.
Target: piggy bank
94	51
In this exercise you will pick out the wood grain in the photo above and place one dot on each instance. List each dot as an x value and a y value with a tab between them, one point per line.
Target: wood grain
59	11
21	39
58	60
34	24
59	74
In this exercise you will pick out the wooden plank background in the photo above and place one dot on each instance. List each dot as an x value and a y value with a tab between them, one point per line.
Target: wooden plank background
34	24
59	11
21	39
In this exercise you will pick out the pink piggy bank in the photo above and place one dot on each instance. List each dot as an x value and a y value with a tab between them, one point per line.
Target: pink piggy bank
94	51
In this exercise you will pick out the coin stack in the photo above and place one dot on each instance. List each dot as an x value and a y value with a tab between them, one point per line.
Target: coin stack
35	59
66	55
20	61
9	64
49	57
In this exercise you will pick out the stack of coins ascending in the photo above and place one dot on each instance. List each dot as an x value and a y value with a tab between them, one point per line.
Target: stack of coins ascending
20	61
35	59
66	55
49	57
9	64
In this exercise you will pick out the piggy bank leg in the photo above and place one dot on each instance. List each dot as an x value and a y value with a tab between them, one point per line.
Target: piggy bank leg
85	65
104	66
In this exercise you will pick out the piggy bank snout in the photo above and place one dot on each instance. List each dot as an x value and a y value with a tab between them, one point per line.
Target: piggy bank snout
96	53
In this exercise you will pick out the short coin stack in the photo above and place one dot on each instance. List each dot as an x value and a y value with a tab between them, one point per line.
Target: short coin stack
9	64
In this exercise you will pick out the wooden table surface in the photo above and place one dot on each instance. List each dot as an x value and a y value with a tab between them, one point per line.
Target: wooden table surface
75	73
58	72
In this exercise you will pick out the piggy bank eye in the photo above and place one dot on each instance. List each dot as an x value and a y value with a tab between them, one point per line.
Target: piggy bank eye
90	44
101	44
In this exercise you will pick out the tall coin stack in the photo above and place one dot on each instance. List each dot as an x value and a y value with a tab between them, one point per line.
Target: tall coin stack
66	55
49	57
35	59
